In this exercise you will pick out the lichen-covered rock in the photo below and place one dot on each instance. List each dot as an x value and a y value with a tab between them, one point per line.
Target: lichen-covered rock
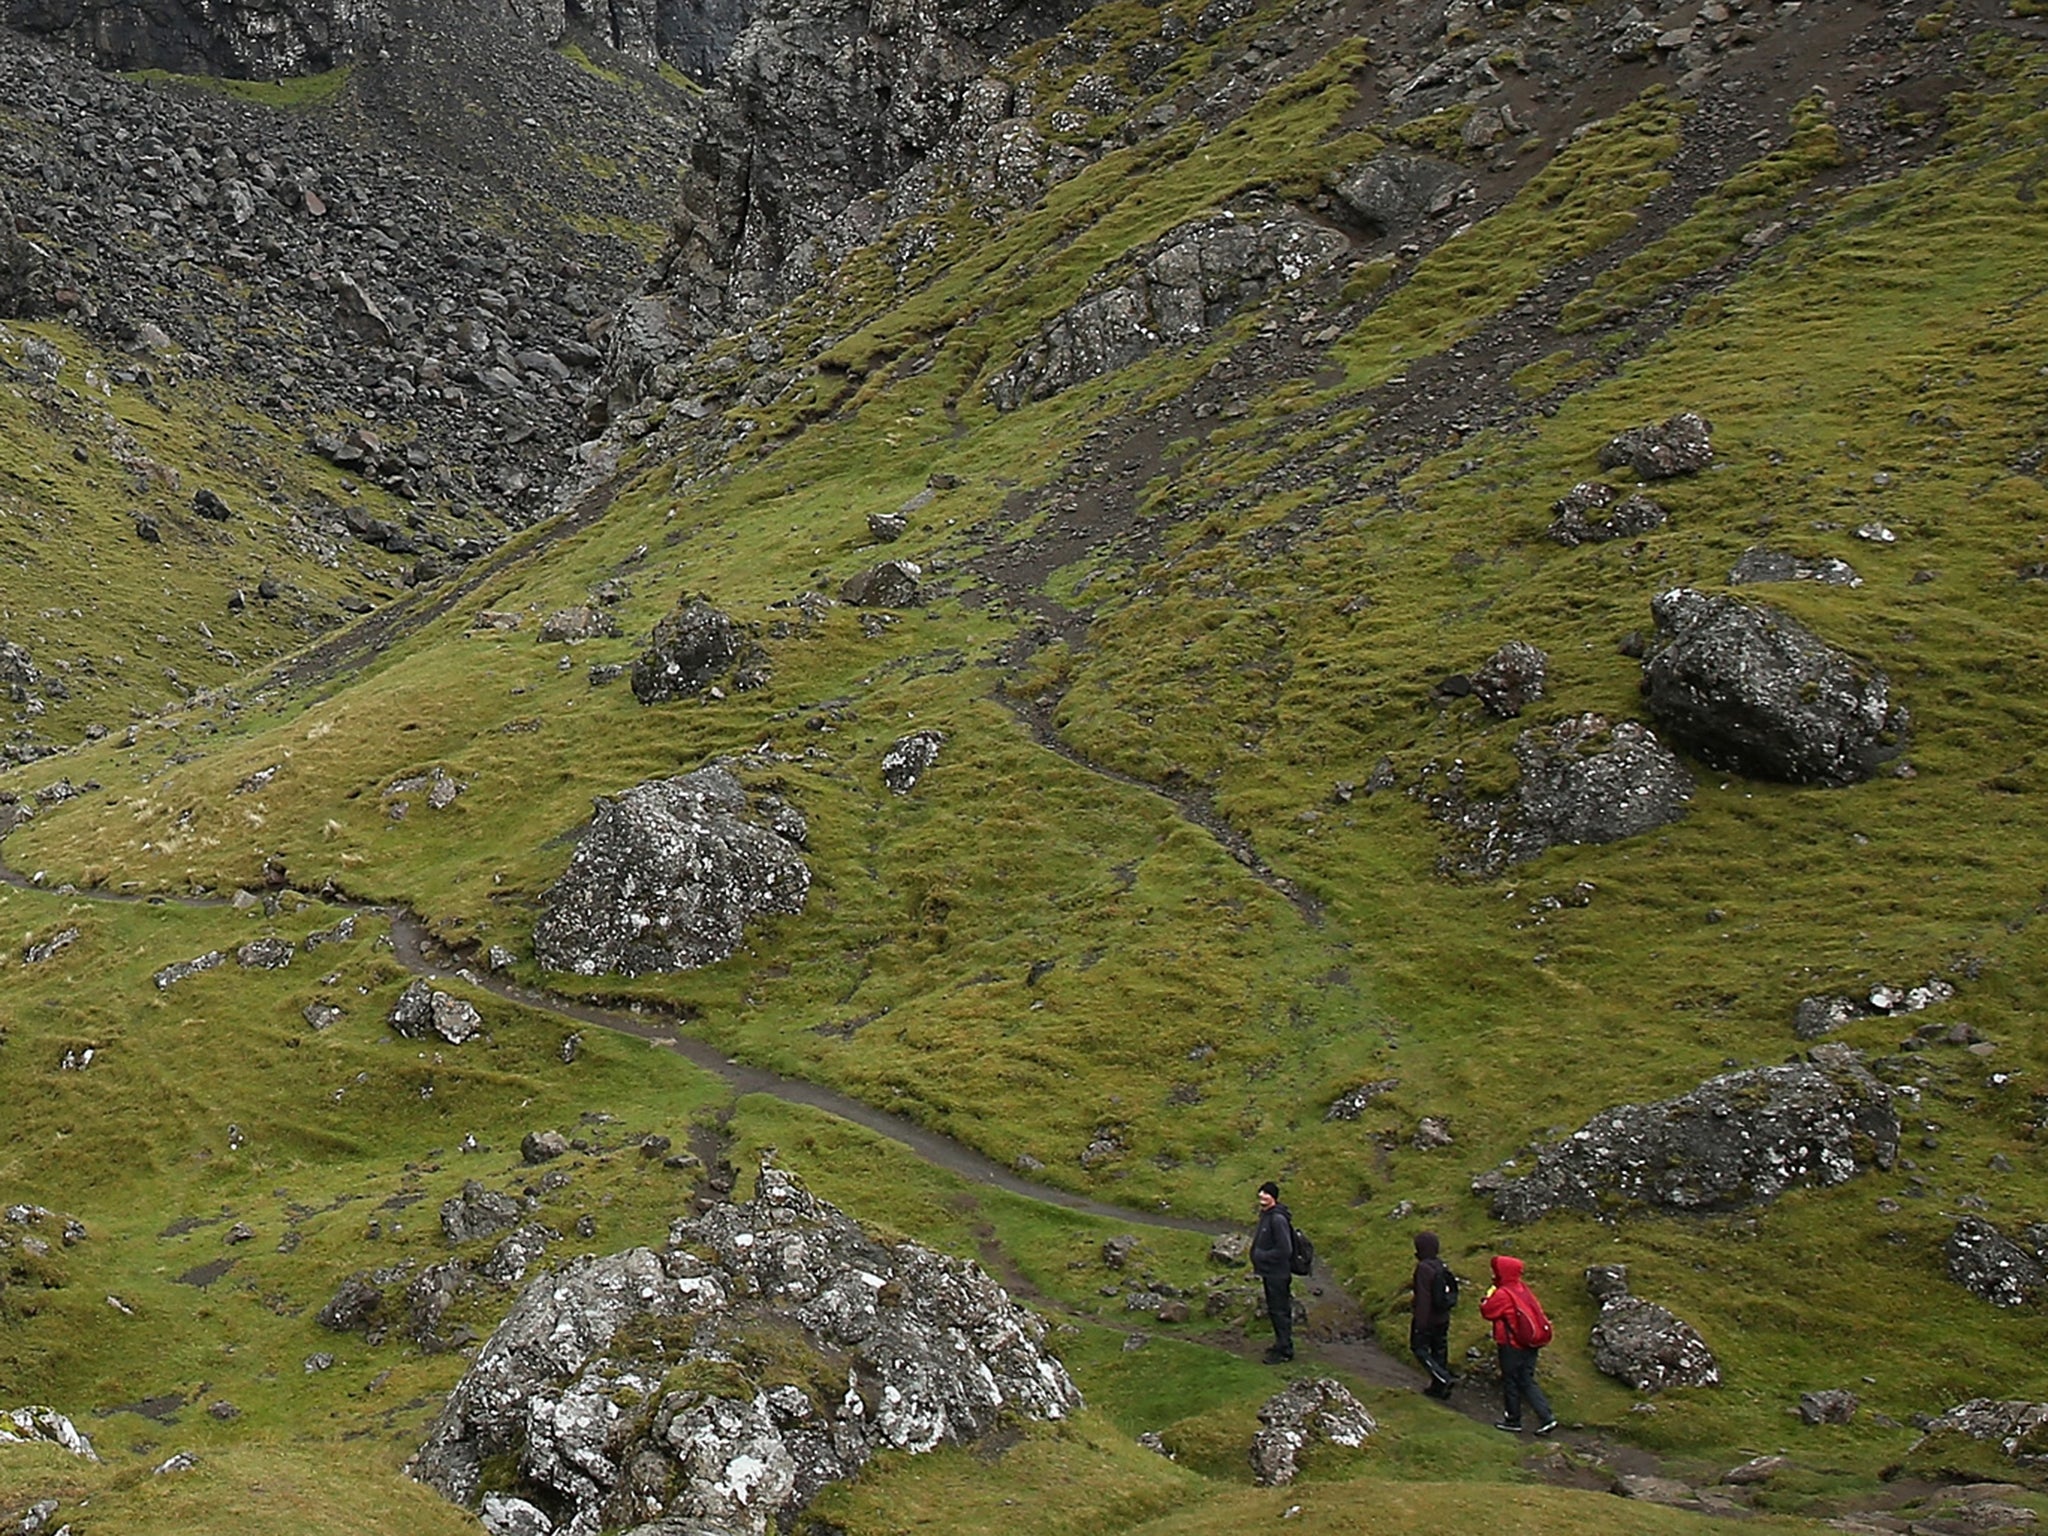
1735	1140
628	1389
39	1424
266	954
1641	1343
1751	689
1987	1263
423	1010
1190	282
890	584
1575	522
1832	1405
478	1212
1584	780
356	1303
184	970
1304	1413
1824	1013
689	651
1767	565
570	626
909	758
667	877
1511	679
2019	1428
1682	445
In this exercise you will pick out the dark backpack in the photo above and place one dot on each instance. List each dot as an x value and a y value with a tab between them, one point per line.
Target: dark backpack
1443	1289
1303	1259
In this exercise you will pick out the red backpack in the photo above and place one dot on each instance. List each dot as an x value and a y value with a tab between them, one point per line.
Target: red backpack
1531	1326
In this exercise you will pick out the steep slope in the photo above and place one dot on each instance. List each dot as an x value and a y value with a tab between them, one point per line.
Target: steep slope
1223	372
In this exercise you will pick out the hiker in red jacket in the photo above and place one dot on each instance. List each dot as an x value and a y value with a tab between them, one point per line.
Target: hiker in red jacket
1520	1329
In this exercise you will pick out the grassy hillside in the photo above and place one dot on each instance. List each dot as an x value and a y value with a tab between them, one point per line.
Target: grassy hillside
1178	617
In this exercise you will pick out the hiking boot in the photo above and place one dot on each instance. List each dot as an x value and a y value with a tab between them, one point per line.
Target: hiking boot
1278	1356
1509	1425
1546	1426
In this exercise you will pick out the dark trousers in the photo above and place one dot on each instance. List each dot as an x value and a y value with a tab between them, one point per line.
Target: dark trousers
1280	1308
1432	1346
1518	1385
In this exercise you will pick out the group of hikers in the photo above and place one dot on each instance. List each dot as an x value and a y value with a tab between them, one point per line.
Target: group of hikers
1520	1328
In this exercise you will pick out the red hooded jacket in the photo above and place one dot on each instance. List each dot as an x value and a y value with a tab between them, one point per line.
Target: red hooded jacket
1517	1316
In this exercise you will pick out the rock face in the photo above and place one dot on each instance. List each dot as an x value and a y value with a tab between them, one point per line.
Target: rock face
1641	1343
1191	281
720	1382
668	875
1987	1263
1682	445
232	37
1735	1140
1751	689
1304	1413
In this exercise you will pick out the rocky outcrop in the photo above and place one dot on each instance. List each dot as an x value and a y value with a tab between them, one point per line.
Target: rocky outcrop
21	261
1584	780
1391	194
1736	1140
1753	690
2018	1428
1683	445
41	1425
1826	1012
1988	1264
669	874
1767	565
1312	1411
1589	514
1189	283
720	1381
1641	1343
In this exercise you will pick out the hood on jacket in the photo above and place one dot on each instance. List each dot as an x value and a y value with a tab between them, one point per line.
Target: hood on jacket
1425	1245
1507	1269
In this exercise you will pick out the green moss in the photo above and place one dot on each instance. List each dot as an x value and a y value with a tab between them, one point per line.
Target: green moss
297	92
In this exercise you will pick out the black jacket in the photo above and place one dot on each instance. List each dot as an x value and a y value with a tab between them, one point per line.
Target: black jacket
1423	1303
1273	1243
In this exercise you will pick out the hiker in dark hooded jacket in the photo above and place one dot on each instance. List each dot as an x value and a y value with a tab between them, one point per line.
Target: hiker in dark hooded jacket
1429	1326
1273	1262
1520	1329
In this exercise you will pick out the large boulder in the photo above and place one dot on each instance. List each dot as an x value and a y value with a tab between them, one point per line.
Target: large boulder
1588	513
1393	193
1751	689
1641	1343
423	1010
1736	1140
668	875
1191	281
721	1380
41	1425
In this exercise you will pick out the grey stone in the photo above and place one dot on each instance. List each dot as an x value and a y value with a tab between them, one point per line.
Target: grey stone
1511	679
1736	1140
542	1146
1751	689
265	954
1682	445
184	970
39	1424
1391	194
478	1212
2015	1425
667	877
1988	1264
569	626
1830	1406
423	1010
1314	1410
356	1303
1640	1343
909	758
688	653
1629	518
1760	565
891	584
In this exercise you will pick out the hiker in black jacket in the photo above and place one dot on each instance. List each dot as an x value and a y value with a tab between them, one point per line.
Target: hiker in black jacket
1272	1262
1429	1323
